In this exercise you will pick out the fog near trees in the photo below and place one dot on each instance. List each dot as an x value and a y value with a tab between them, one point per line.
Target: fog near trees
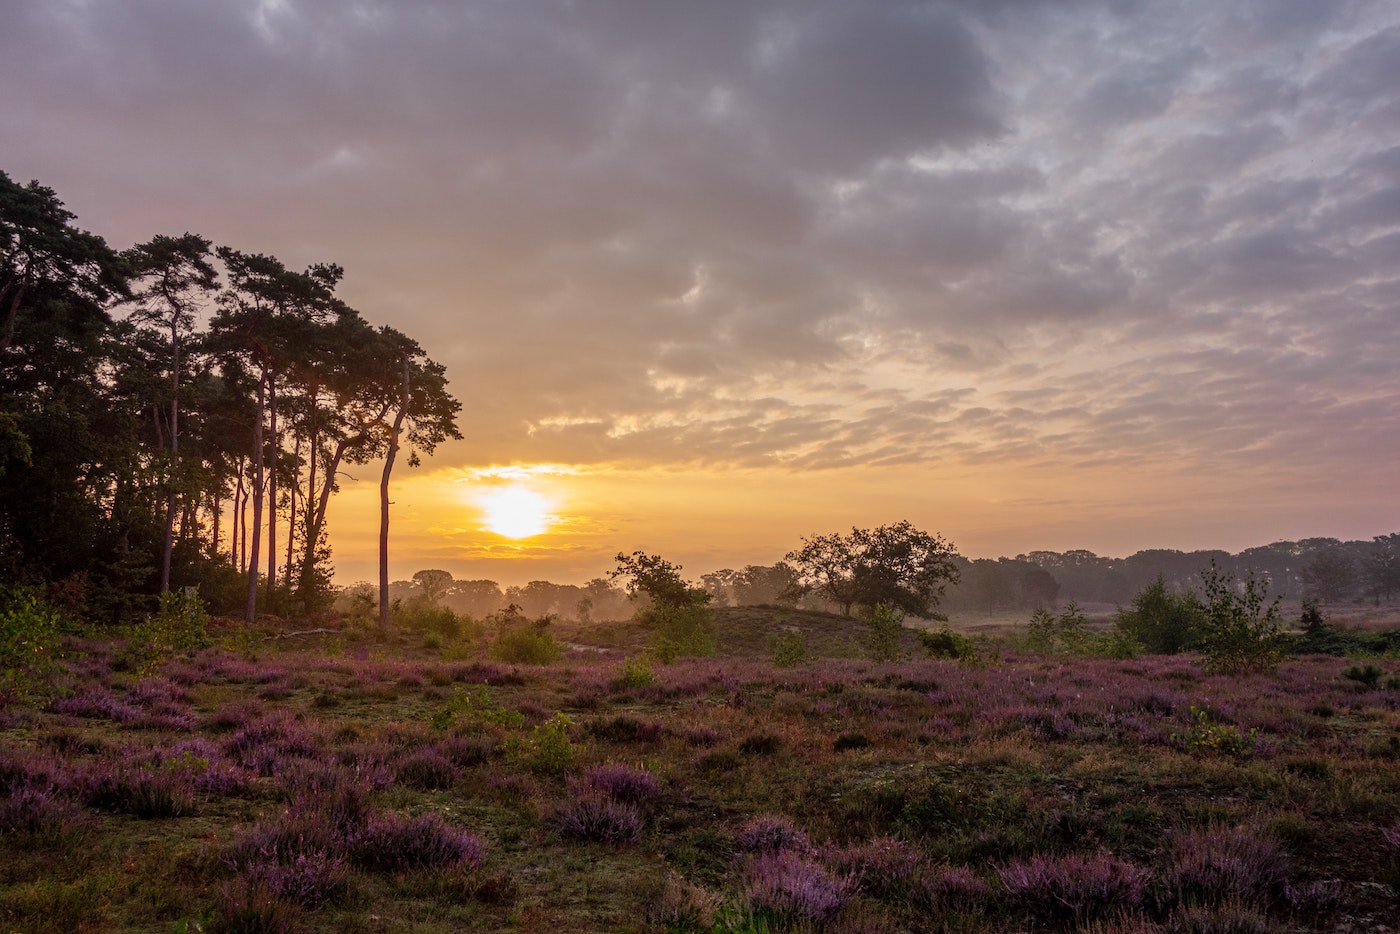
1324	570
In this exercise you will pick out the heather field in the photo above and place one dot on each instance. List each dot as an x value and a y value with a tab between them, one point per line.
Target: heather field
332	782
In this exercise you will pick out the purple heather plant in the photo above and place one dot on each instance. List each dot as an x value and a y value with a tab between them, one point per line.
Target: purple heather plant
37	811
426	769
955	888
594	817
623	783
310	879
769	834
793	887
1074	888
95	704
1216	863
881	867
393	843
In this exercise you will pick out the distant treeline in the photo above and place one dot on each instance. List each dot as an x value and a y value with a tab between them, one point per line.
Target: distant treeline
1326	570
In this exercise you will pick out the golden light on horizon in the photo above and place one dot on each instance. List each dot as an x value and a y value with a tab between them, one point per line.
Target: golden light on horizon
516	511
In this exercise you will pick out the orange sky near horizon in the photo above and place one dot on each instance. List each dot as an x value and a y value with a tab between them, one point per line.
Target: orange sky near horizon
711	519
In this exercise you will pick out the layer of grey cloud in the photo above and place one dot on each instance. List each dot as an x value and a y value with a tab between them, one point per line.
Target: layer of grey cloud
787	232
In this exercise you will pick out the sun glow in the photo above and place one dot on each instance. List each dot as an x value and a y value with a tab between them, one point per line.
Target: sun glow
516	511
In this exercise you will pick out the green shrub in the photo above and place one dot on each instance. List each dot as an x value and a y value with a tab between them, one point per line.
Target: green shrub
1164	623
885	627
636	673
1240	632
1223	738
474	711
789	650
29	635
1068	633
1368	676
547	749
180	624
684	629
523	642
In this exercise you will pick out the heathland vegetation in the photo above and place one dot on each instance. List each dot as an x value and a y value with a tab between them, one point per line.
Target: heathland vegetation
872	734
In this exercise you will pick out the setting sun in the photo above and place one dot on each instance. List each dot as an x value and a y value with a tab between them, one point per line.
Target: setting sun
516	512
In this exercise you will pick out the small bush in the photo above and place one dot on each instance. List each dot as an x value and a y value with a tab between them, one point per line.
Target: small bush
1163	622
792	888
391	843
180	624
36	814
624	728
623	783
768	834
138	791
885	627
883	867
850	741
29	634
525	643
310	879
1074	888
760	744
475	711
598	818
789	650
245	908
547	749
1224	738
427	769
954	888
945	643
635	673
1240	632
1219	863
684	629
1368	676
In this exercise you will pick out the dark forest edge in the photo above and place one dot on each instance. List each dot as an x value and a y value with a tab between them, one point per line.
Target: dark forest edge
128	431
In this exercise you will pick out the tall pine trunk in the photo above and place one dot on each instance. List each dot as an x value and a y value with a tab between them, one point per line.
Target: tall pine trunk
250	610
384	505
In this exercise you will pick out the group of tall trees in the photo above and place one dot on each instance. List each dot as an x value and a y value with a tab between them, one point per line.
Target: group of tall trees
178	413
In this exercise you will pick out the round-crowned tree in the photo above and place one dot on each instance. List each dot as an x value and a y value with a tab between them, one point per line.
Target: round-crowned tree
897	565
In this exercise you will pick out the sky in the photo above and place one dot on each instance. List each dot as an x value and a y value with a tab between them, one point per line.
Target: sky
711	277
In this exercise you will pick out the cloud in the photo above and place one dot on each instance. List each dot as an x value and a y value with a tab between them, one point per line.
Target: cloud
799	234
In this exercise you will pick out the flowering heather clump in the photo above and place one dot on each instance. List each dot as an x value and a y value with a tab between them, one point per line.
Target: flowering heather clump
466	751
233	717
956	888
595	817
265	745
627	729
623	783
141	791
37	812
340	794
427	769
766	834
792	887
95	705
881	867
1217	863
1074	887
392	843
309	879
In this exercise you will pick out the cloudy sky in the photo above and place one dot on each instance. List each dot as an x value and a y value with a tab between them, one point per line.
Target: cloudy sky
709	277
